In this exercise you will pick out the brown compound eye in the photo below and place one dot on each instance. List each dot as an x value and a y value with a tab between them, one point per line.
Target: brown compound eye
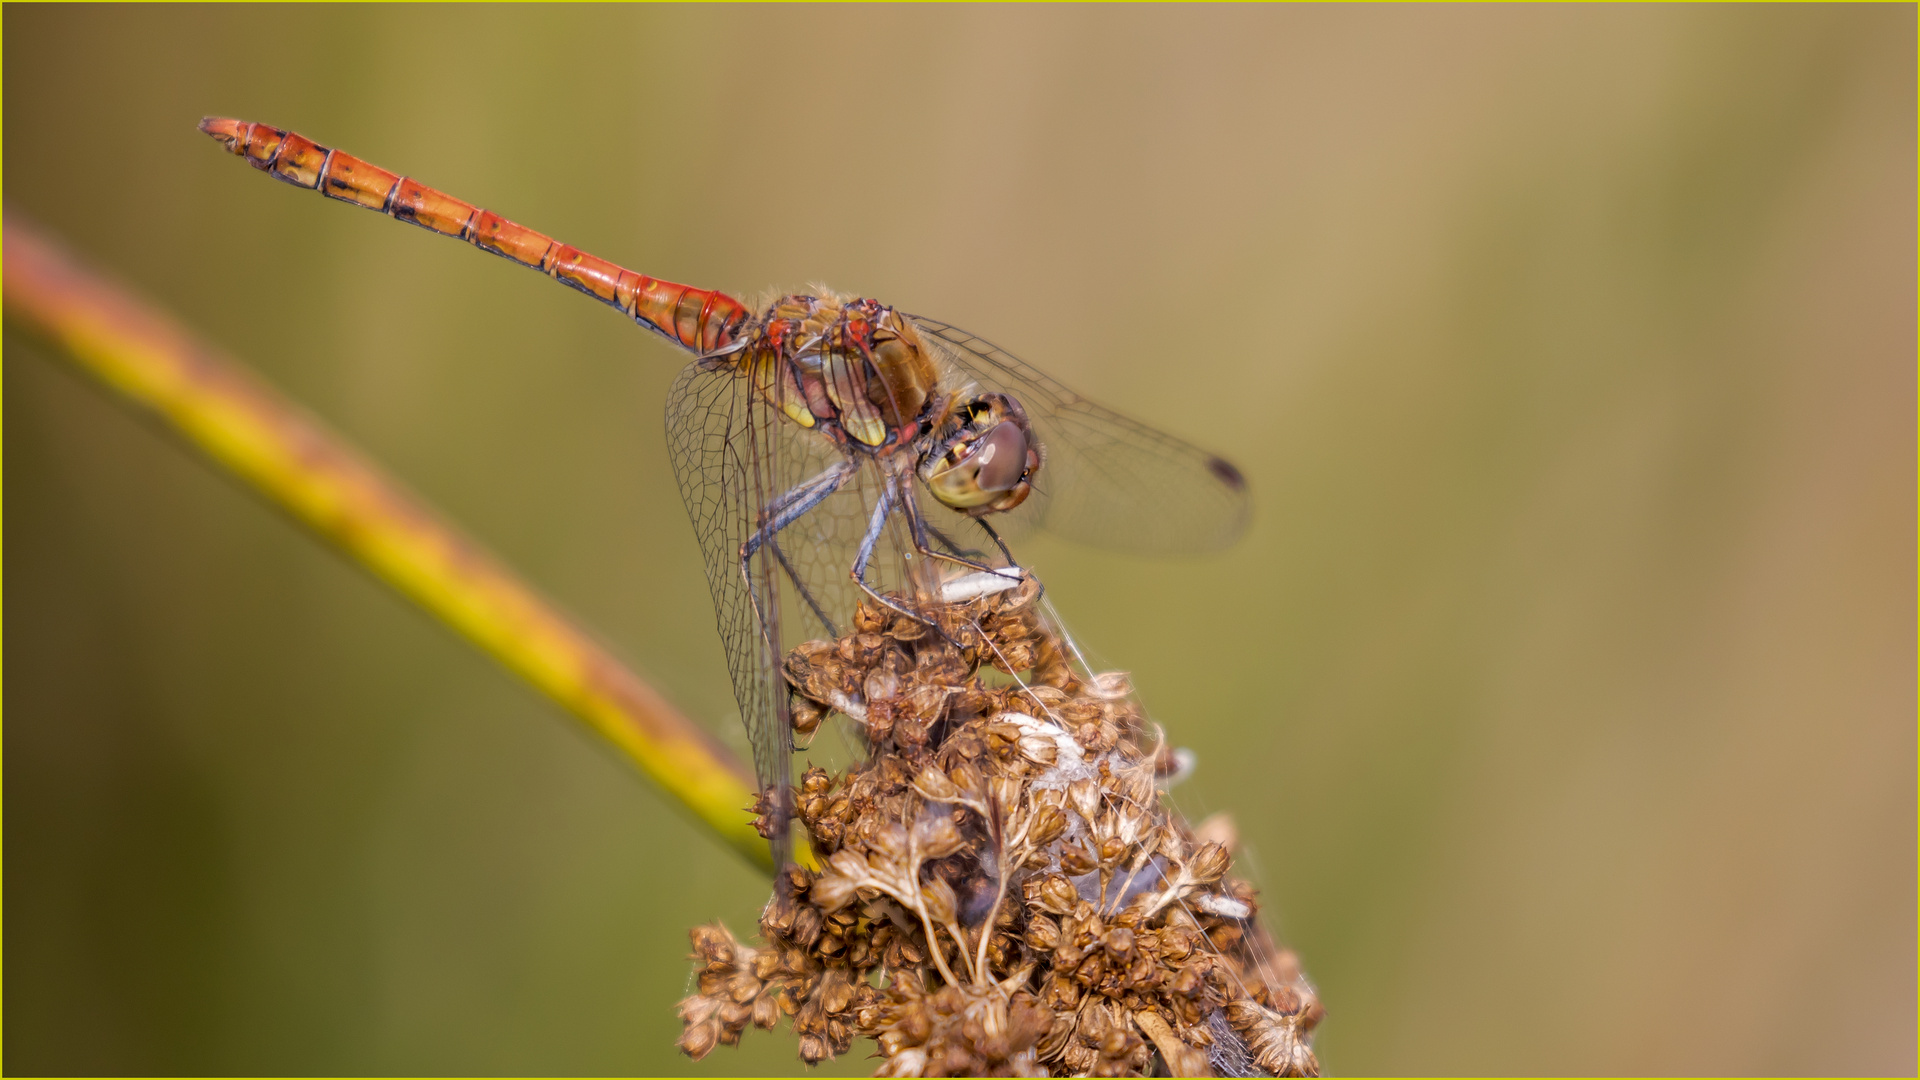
986	473
1001	458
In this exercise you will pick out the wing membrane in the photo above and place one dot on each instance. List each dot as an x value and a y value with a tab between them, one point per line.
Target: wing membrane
734	455
1105	480
726	465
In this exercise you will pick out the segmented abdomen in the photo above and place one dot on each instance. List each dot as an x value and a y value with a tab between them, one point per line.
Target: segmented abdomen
699	319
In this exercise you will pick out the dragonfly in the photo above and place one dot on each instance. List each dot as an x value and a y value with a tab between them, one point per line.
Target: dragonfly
833	449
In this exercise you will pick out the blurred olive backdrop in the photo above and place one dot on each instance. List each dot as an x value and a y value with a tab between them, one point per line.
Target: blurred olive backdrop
1563	689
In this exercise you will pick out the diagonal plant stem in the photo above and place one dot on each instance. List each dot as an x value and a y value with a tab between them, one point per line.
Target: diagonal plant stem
248	429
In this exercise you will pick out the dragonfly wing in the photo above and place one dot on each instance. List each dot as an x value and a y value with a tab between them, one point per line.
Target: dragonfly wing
819	549
735	455
724	446
1104	480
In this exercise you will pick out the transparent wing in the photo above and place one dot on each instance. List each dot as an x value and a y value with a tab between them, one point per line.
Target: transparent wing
819	549
735	455
1104	480
726	461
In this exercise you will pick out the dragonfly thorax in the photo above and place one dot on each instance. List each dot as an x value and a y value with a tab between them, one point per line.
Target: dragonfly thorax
859	371
852	366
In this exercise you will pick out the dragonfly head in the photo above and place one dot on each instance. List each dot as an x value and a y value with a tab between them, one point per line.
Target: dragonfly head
985	463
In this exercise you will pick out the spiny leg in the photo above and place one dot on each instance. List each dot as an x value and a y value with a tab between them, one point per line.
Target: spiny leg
800	587
901	498
779	514
952	546
1012	563
994	535
878	522
919	529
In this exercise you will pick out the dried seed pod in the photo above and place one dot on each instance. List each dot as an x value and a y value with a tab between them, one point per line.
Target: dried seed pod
699	1039
814	1049
966	777
1051	668
870	618
1043	933
807	926
836	888
1048	823
1013	656
907	630
1084	796
1076	861
1110	685
1057	895
933	784
880	685
909	734
1039	749
927	700
1080	711
1209	863
888	843
1090	970
766	1012
734	1015
713	944
806	715
937	837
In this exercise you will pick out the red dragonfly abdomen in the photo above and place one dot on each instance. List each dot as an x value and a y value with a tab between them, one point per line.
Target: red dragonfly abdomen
699	319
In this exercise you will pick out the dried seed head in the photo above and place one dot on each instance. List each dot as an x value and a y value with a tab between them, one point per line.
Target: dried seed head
1004	854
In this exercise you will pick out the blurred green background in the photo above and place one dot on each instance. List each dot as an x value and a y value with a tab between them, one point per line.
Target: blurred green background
1564	688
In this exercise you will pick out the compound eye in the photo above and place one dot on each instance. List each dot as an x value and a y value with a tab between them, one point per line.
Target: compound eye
986	466
1001	459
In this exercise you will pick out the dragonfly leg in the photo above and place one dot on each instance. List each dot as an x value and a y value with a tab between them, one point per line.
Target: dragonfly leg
779	514
994	535
800	587
791	506
953	546
888	500
920	530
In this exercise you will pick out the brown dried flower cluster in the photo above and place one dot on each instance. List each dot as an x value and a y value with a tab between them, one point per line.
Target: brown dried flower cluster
1004	892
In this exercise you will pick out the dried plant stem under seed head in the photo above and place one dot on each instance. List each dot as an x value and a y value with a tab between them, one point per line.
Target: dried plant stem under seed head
1004	892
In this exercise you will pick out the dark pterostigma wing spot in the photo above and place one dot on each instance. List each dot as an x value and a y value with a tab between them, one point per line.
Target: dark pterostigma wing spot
1227	474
